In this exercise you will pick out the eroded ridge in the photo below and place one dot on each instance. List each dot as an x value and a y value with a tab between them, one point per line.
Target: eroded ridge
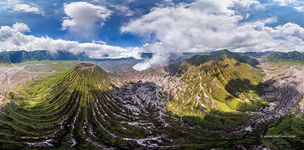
83	107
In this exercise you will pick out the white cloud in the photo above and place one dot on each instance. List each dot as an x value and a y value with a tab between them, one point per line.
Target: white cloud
20	6
123	10
285	2
21	27
206	25
150	62
299	8
289	30
8	4
298	5
82	17
271	20
27	9
100	42
14	39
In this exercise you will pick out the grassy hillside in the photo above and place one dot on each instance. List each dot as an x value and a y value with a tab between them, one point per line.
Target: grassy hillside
216	85
286	133
220	56
293	56
47	111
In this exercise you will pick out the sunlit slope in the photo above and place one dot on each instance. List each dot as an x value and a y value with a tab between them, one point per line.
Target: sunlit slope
217	82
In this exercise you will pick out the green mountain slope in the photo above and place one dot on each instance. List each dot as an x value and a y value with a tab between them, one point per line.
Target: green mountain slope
217	84
293	56
4	59
219	55
285	133
54	110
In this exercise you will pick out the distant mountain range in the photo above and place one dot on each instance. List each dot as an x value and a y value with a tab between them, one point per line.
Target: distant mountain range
24	56
220	56
38	55
257	54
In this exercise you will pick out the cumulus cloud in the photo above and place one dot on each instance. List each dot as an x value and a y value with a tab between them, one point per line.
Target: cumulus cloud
206	25
82	18
27	9
203	24
289	30
14	39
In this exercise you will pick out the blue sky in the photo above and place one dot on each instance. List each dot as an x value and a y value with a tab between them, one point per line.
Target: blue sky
48	21
124	28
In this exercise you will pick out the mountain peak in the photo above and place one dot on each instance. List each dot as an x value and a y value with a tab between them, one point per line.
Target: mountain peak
224	51
87	66
220	56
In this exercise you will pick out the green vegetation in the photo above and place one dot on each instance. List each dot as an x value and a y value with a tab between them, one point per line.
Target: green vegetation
293	56
218	83
214	93
45	109
219	55
4	58
286	133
